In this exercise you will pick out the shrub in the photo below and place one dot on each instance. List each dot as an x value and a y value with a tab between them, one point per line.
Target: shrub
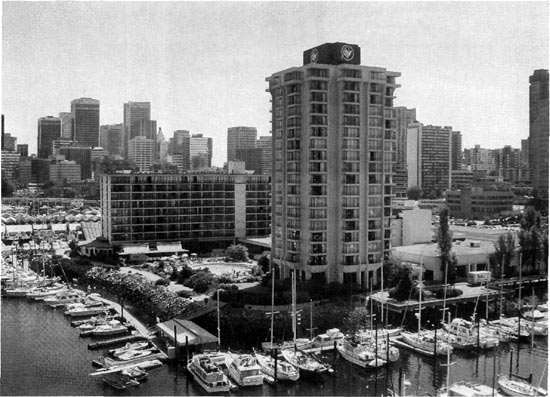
184	294
200	282
162	281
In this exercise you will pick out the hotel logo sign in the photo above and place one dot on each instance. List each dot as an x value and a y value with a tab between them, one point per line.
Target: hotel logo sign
314	55
347	53
333	54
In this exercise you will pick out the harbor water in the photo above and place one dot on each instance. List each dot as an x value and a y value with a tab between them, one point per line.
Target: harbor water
41	354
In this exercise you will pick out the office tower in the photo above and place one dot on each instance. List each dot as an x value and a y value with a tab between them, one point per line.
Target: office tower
65	172
403	118
81	155
9	166
2	126
240	138
10	142
180	150
538	130
85	121
252	158
141	151
66	132
110	139
137	122
212	207
429	157
334	147
49	129
456	150
200	151
480	159
264	143
23	150
162	148
525	153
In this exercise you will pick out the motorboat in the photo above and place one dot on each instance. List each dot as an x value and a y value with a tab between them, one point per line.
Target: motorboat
359	354
244	369
65	297
128	347
207	374
519	387
119	381
325	341
469	334
135	373
112	327
40	293
285	371
134	354
307	363
87	309
424	342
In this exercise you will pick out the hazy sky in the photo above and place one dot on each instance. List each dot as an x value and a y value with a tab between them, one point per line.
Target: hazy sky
203	65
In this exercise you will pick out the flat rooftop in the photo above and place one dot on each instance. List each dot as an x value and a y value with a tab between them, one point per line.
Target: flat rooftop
459	248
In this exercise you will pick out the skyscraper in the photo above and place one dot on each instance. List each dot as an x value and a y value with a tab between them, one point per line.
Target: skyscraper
403	118
538	130
180	149
264	143
49	129
240	138
111	138
200	151
429	157
85	121
456	150
66	132
334	147
137	122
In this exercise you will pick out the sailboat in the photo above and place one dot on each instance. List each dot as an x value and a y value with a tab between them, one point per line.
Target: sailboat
307	363
424	341
515	385
271	367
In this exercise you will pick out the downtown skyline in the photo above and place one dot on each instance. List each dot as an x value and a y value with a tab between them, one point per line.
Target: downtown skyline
466	65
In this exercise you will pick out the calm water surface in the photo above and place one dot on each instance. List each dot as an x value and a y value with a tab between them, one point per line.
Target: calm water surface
41	354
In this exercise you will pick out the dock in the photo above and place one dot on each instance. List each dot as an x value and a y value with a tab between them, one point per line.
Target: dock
138	326
114	341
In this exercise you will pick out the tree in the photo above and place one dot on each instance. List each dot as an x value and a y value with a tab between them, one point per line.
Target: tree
356	320
264	263
237	253
403	284
414	193
444	241
504	253
531	238
7	188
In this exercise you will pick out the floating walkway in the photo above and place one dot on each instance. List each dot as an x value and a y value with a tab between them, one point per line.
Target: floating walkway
138	326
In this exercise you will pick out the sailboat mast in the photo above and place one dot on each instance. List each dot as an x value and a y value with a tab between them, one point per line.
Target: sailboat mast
218	307
420	297
272	294
294	307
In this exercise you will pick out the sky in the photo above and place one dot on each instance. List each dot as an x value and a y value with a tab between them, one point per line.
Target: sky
203	65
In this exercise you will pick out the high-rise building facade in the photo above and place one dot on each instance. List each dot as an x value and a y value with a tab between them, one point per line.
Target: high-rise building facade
141	151
403	118
137	122
85	121
81	155
538	130
110	139
429	157
66	125
264	143
180	150
240	138
456	150
334	149
49	129
200	151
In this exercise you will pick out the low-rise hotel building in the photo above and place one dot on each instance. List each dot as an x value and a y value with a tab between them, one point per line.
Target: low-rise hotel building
184	207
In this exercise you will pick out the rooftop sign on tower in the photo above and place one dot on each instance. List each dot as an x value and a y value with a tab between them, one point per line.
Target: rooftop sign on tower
333	54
